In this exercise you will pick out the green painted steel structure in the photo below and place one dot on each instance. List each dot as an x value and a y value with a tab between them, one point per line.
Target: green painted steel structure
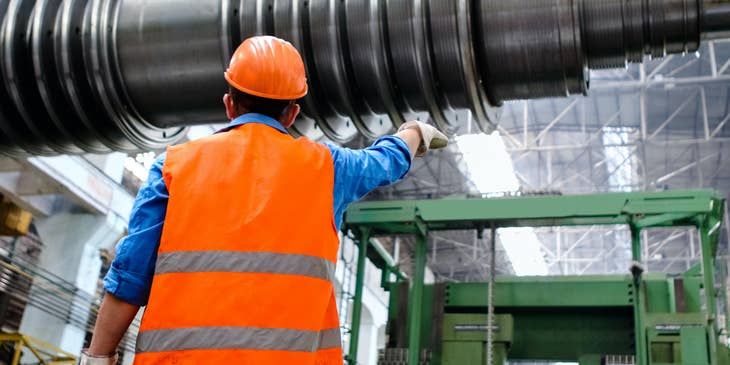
364	238
658	319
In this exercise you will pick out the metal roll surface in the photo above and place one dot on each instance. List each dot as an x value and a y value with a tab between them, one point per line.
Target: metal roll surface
108	75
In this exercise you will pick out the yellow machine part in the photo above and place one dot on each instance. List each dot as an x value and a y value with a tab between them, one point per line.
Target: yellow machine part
46	354
14	221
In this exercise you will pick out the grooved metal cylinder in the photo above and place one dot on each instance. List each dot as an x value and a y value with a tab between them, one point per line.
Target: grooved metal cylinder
110	75
715	15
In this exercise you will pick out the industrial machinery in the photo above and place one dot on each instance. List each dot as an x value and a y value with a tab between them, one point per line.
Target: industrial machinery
105	75
637	318
42	353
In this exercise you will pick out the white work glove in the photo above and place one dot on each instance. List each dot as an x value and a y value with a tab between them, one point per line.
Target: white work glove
431	137
87	359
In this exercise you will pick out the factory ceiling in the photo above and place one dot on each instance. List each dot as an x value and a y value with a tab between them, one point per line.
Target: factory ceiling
664	125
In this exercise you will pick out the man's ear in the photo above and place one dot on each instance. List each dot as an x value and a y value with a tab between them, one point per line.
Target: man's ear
290	115
231	111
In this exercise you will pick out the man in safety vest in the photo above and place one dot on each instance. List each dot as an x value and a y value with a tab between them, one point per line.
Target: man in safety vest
233	240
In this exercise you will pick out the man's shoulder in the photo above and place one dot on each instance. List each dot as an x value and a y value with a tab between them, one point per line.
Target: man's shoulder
200	144
306	143
338	153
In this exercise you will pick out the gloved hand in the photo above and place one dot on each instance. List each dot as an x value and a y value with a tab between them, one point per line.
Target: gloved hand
432	137
87	359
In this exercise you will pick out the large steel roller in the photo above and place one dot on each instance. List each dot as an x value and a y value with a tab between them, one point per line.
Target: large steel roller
109	75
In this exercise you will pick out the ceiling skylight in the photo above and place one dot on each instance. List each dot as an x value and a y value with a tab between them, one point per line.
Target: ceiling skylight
490	169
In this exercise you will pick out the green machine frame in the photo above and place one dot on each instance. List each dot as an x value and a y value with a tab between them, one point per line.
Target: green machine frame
656	318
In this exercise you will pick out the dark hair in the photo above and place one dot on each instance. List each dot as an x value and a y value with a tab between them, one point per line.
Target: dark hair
255	104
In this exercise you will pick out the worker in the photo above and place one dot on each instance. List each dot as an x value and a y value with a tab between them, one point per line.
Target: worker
232	240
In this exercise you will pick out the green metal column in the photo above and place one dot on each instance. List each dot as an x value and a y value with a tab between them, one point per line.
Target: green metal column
641	346
708	283
362	257
415	297
723	295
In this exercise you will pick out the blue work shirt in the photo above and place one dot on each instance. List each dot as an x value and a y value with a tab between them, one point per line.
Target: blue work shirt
357	173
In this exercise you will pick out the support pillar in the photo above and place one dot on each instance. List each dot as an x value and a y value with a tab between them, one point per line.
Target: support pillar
415	297
638	298
367	340
708	283
363	242
71	251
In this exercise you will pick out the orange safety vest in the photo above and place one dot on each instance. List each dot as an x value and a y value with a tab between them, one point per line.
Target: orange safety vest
246	262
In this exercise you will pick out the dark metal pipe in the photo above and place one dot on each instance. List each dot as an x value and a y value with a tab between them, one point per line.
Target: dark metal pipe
716	20
108	75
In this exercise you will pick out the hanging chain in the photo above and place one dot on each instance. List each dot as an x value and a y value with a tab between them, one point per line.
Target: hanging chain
490	300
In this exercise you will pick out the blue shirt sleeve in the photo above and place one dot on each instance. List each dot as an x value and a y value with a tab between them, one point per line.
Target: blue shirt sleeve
131	272
358	172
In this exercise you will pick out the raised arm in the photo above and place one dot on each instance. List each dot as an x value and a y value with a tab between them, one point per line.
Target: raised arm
358	172
421	137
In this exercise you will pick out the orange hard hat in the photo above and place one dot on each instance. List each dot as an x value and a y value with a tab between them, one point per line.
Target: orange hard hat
268	67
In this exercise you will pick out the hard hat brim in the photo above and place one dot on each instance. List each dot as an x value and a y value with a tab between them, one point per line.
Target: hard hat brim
239	87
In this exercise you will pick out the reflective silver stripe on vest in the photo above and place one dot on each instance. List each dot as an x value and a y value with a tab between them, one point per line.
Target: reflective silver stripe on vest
237	338
330	339
245	262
